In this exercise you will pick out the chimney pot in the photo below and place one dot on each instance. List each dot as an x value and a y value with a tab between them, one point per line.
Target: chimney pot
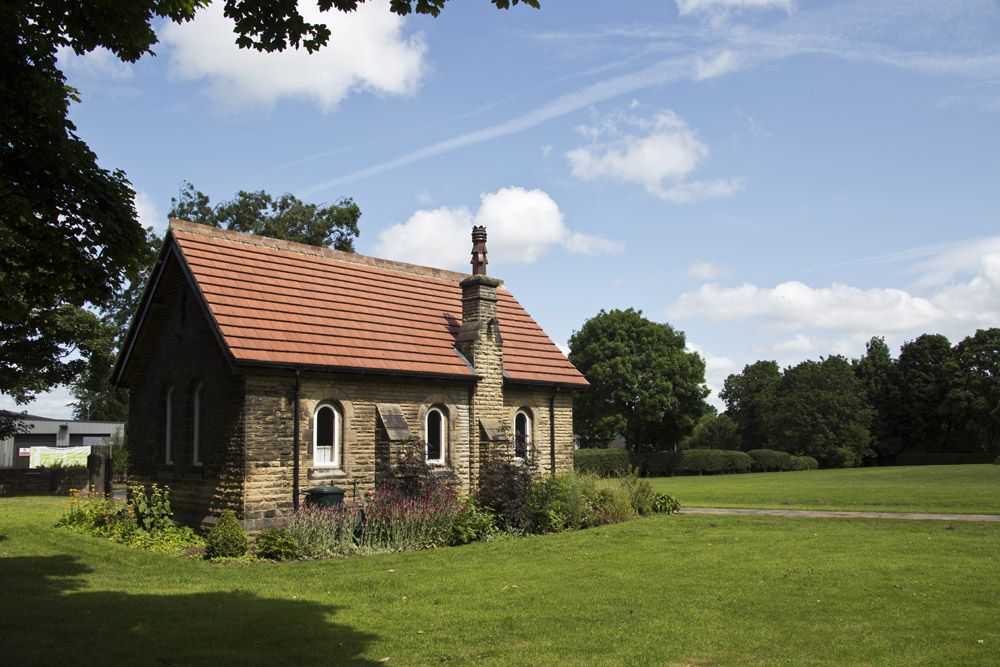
479	260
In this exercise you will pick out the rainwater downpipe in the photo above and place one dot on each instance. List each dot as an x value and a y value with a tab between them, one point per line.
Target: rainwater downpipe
295	444
552	430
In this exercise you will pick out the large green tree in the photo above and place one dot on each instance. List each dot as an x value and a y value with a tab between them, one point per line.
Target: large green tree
876	372
644	385
819	409
714	431
747	396
978	395
69	235
285	217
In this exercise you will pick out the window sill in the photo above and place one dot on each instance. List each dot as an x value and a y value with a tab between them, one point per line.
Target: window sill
323	472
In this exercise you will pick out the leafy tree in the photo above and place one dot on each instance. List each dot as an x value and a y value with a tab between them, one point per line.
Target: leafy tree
924	410
644	385
877	373
747	396
714	432
819	409
978	357
286	217
69	235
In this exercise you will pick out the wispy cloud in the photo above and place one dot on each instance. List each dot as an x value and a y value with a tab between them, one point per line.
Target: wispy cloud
856	32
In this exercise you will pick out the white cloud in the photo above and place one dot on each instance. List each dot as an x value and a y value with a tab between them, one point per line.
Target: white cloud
367	52
658	152
717	368
799	344
98	64
792	304
149	215
522	225
685	7
704	270
722	63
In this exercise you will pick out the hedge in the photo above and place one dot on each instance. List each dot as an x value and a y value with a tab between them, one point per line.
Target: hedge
940	458
770	460
804	463
603	462
712	462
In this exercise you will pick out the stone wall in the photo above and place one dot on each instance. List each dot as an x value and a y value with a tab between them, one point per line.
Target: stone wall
539	404
40	481
270	433
177	347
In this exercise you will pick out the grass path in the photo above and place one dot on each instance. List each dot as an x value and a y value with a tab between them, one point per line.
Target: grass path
658	591
960	489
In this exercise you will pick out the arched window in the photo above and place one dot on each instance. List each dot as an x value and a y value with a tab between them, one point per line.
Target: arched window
168	455
196	425
326	436
522	434
436	435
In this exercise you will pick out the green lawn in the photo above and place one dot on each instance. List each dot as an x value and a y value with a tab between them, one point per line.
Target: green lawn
664	590
962	489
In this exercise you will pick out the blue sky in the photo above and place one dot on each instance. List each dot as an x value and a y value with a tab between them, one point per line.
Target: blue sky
779	179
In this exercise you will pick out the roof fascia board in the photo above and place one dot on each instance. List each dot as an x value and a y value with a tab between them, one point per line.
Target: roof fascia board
279	365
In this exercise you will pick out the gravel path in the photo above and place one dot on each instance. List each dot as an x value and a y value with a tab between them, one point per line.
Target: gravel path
836	514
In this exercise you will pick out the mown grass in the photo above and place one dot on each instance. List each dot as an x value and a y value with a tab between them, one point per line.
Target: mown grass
661	590
960	489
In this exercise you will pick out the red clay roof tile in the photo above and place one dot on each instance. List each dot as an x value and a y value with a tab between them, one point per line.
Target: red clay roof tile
281	302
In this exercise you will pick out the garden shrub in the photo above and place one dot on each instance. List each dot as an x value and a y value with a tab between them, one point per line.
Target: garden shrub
712	462
410	475
227	539
665	504
602	462
276	544
321	532
396	522
940	458
804	463
612	504
770	460
475	523
559	503
103	517
641	494
152	510
505	484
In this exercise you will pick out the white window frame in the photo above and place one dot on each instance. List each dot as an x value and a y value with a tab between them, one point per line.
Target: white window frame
196	425
335	461
444	437
527	434
168	455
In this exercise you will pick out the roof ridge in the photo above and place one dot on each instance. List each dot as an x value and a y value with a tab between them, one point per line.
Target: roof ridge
314	251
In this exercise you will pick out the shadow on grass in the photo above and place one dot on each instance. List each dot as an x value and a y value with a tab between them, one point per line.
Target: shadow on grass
47	617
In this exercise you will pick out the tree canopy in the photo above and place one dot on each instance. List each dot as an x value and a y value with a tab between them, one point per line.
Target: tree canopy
644	385
747	396
69	234
285	217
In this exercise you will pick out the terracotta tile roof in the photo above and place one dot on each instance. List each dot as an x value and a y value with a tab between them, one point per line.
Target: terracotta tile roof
286	303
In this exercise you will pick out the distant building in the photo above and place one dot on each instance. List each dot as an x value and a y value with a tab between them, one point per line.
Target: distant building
47	432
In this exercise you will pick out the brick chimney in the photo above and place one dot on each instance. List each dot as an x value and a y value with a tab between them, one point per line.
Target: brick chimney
480	342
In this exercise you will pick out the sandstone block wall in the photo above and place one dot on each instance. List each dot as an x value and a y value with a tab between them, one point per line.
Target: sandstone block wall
178	348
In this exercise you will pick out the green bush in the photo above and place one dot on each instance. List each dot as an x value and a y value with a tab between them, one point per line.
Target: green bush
602	462
475	523
665	504
612	504
505	485
804	463
657	464
940	458
770	460
559	503
640	493
321	532
276	544
712	462
152	510
227	538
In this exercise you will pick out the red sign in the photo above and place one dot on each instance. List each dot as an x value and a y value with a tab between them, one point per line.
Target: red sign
24	451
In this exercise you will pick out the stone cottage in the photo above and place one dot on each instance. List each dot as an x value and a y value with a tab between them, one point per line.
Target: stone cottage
259	368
